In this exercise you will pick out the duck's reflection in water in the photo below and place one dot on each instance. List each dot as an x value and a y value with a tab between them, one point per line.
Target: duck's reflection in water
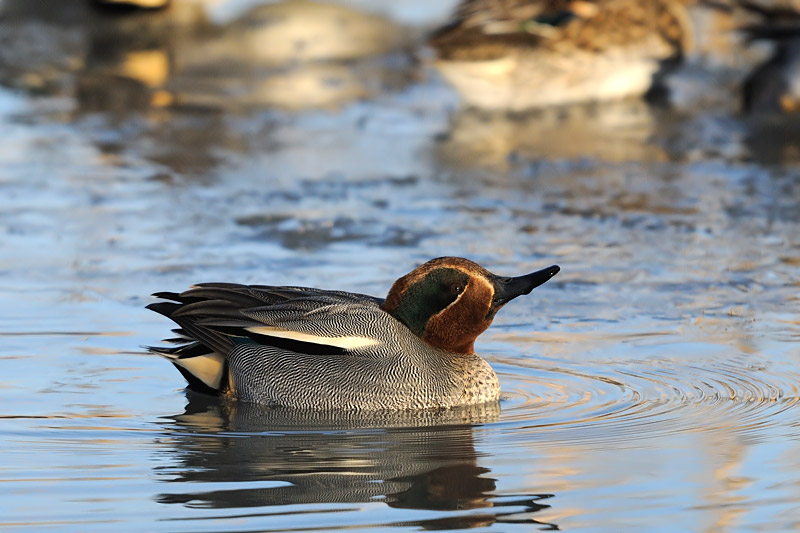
411	460
614	132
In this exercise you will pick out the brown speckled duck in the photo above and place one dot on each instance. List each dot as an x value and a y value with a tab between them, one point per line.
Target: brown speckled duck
318	349
521	54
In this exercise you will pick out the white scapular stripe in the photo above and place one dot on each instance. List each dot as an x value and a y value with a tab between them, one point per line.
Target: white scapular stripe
206	368
347	343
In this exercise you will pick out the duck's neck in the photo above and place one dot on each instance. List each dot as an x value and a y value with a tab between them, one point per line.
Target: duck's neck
438	333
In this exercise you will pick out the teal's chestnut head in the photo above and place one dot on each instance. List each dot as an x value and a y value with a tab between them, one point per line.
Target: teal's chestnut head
449	301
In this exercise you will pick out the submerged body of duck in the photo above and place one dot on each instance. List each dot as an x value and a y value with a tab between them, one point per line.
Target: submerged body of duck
318	349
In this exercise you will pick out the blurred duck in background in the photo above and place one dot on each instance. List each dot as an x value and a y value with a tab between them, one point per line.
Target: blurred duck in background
288	55
521	54
144	4
773	88
298	55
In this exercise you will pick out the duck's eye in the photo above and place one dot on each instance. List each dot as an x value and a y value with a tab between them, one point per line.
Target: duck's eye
456	288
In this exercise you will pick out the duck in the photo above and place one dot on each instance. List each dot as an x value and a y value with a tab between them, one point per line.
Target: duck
516	55
133	4
772	89
316	349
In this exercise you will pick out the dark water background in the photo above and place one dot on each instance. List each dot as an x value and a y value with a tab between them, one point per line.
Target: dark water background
652	385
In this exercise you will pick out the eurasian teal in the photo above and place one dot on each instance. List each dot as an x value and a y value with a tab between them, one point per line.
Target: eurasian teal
520	54
319	349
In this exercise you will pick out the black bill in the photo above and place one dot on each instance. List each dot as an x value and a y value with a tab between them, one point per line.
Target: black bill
506	289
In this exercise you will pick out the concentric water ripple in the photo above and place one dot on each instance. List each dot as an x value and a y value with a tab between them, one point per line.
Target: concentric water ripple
642	400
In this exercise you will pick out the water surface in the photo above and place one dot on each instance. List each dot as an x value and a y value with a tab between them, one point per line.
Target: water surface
652	385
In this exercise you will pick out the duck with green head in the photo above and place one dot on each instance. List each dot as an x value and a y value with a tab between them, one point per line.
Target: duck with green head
318	349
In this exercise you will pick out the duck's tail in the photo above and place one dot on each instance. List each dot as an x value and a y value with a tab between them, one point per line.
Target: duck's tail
198	352
205	370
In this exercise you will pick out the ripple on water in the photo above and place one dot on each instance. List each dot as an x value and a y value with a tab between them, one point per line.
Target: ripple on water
554	402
